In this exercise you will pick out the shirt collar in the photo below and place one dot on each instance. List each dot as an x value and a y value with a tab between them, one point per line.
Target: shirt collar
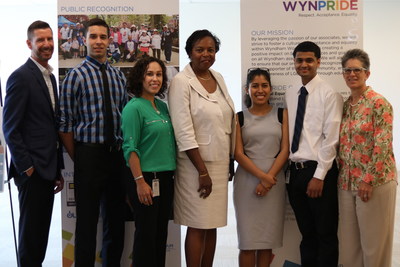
310	86
96	63
363	95
44	70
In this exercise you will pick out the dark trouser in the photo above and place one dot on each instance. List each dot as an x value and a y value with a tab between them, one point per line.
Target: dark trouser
151	223
157	53
116	56
98	179
122	50
168	52
67	54
132	56
36	197
317	218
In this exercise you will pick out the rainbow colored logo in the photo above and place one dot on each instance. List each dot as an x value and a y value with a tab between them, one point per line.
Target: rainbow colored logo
329	5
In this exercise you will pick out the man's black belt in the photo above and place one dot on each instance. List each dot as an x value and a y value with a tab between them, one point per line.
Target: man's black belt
108	147
303	164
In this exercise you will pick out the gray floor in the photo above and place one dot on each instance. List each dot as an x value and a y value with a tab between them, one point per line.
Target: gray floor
226	253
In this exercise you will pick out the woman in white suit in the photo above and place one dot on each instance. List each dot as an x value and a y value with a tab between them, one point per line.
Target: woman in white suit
202	114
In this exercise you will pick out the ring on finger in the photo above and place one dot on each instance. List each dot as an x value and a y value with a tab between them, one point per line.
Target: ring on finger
203	190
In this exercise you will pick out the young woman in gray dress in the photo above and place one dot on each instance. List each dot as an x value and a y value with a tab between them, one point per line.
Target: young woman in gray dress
262	149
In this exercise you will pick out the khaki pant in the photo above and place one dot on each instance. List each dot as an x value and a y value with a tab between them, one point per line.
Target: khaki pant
366	228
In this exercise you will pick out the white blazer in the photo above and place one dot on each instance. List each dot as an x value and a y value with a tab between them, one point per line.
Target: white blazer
196	118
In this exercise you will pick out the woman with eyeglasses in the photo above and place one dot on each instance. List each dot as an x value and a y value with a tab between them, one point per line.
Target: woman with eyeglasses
367	170
262	149
203	117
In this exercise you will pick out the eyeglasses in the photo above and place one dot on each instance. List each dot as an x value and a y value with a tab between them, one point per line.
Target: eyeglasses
356	71
255	69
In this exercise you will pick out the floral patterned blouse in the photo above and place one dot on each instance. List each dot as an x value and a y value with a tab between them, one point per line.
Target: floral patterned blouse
365	148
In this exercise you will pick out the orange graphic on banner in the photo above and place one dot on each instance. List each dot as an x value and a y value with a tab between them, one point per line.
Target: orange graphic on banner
68	255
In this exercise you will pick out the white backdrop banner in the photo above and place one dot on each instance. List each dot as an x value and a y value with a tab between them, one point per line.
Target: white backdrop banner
270	30
73	14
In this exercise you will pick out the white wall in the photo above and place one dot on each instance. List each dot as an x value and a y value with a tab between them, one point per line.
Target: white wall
15	17
223	19
381	41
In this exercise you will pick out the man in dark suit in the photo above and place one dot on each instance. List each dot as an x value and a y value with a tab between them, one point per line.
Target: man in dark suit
30	130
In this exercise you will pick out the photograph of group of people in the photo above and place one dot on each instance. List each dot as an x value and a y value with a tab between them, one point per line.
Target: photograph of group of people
131	38
332	157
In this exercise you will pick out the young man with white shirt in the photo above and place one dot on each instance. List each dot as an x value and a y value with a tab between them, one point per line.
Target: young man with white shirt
315	111
64	31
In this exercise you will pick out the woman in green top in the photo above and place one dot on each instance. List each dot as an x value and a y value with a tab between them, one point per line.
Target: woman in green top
149	150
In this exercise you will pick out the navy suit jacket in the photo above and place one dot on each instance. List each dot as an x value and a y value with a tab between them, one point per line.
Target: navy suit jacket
30	125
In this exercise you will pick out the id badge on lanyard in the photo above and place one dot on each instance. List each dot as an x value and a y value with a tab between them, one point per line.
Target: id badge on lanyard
155	186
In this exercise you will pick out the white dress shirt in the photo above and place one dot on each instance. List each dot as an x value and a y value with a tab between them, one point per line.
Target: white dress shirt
46	75
319	138
64	33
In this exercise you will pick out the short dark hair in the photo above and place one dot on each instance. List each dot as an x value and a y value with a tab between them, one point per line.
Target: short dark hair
308	47
198	35
136	76
98	22
359	54
36	25
250	76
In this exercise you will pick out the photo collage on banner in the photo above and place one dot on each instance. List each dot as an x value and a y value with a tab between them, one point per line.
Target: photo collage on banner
270	30
128	21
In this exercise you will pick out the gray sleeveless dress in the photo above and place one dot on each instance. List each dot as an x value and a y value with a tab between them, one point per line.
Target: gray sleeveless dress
260	220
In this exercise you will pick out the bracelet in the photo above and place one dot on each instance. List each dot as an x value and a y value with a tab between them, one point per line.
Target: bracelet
138	178
203	175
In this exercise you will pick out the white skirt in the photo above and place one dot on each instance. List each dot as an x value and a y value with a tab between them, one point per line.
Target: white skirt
189	208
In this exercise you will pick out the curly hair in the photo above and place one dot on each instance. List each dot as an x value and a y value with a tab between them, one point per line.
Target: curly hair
136	76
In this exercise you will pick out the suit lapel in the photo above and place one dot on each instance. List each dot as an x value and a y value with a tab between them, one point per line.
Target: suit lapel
39	77
198	87
224	90
195	84
55	91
